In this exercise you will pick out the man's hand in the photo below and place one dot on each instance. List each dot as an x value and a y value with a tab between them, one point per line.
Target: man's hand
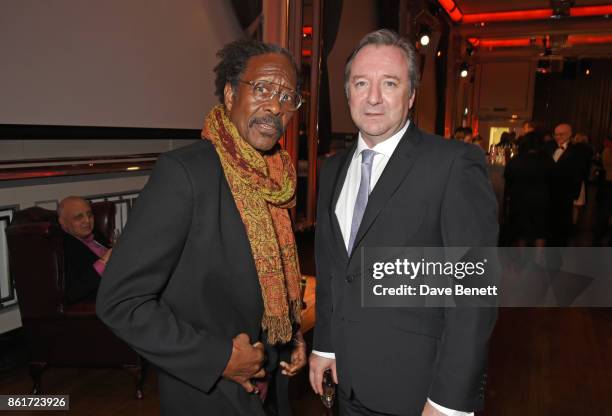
298	357
429	410
318	365
106	255
245	363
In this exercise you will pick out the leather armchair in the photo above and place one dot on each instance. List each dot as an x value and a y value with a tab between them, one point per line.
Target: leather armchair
59	334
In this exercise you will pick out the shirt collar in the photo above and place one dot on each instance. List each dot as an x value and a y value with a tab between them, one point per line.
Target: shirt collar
88	239
563	145
386	147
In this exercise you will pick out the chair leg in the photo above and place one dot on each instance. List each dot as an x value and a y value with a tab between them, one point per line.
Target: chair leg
36	370
139	371
143	366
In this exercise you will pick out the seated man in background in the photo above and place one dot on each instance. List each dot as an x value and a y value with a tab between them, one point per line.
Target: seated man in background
85	258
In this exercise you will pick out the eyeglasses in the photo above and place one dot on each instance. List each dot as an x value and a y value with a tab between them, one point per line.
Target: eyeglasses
264	91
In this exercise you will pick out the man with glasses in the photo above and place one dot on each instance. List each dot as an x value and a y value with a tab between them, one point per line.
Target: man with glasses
204	282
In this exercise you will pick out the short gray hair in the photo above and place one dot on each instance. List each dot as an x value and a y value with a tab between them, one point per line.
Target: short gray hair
386	37
62	204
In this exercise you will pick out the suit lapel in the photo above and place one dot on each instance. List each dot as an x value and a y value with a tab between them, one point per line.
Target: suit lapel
340	177
397	168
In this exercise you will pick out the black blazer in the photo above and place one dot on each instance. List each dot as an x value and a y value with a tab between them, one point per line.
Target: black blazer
432	193
181	283
81	280
567	173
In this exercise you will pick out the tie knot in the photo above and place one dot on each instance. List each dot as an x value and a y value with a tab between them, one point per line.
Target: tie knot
367	156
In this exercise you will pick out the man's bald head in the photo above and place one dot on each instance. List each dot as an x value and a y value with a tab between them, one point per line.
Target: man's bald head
75	216
563	133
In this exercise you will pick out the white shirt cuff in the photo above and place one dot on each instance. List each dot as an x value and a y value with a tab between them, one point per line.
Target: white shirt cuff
447	411
330	355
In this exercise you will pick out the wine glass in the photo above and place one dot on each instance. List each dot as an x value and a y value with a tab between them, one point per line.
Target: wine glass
329	390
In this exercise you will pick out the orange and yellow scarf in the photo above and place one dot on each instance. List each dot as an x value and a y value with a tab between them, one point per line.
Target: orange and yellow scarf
263	187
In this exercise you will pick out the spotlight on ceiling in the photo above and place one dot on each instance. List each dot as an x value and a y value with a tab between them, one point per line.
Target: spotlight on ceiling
424	37
464	70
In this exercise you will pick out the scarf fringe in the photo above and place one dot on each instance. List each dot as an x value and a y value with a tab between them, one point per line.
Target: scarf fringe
280	328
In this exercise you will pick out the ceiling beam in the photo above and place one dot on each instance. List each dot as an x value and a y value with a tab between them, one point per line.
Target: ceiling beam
534	52
574	25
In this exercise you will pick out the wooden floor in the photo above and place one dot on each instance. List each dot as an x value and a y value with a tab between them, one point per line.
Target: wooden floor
543	362
551	362
98	392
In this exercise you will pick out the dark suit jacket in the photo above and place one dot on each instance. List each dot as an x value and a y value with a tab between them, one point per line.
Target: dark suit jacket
565	188
432	193
567	172
528	187
181	283
81	280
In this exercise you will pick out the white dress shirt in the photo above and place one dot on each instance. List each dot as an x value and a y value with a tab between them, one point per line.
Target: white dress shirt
348	195
346	204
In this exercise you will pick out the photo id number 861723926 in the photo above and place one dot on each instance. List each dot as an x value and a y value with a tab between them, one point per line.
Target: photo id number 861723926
34	402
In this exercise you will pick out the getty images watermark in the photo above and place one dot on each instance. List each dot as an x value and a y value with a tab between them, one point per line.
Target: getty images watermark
486	276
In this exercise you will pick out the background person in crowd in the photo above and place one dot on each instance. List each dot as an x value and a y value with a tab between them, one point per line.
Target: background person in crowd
478	141
565	186
528	179
505	140
514	139
84	257
459	134
584	155
206	275
397	186
468	135
548	138
603	233
529	126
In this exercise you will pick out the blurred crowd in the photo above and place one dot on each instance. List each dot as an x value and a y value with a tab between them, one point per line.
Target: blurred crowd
555	184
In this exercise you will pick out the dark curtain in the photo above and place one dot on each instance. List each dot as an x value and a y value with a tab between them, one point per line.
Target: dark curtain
332	10
583	101
246	11
388	14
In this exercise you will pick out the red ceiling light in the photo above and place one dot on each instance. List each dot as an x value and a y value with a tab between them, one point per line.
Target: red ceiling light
591	10
588	39
307	30
506	16
455	14
518	42
452	9
505	43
